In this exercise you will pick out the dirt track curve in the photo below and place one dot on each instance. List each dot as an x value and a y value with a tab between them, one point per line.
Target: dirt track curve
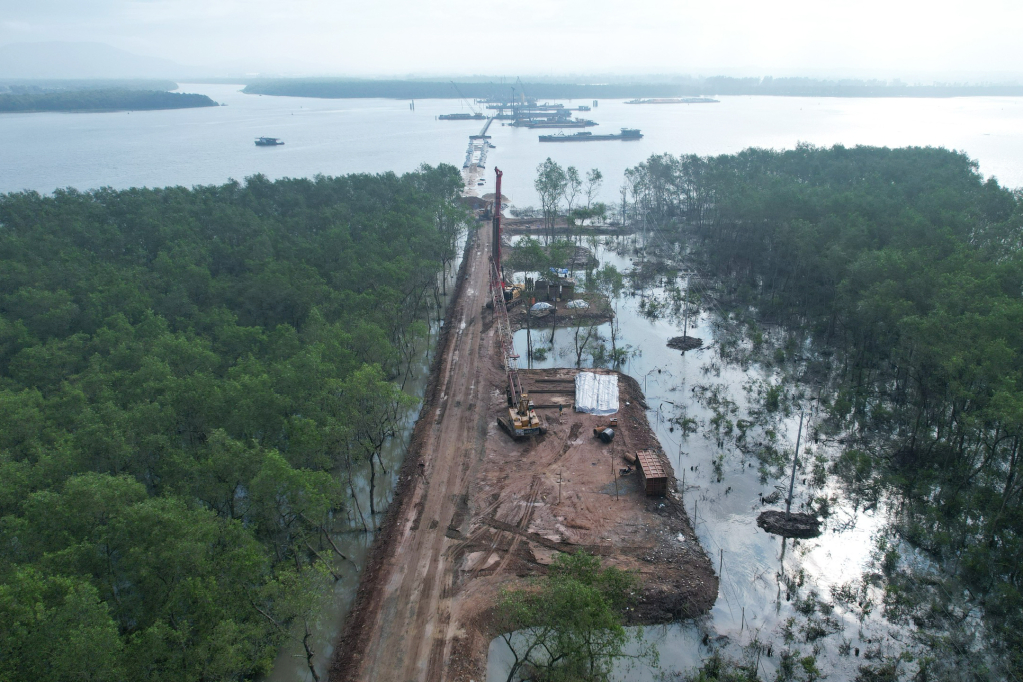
402	627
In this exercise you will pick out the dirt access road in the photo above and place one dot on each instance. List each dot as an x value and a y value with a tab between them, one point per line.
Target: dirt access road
401	622
476	512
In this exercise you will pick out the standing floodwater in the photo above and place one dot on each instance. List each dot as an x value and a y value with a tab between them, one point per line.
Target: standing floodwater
814	599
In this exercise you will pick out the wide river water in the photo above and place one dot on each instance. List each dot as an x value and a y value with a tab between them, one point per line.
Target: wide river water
188	147
46	151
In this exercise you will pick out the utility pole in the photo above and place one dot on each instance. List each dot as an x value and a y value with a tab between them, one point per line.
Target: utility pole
795	459
559	487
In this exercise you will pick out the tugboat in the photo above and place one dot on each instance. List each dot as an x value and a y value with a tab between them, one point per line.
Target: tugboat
267	142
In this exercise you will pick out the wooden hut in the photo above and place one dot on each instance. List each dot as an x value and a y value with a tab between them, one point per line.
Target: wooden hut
652	473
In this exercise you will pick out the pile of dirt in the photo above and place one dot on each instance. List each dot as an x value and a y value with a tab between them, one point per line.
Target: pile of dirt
684	343
792	525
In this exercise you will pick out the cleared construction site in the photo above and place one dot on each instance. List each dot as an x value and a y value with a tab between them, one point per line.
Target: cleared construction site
504	471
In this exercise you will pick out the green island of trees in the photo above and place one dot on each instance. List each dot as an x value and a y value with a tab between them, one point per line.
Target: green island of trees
897	276
94	99
186	376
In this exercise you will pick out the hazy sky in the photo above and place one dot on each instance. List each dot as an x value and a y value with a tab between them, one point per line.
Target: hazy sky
885	38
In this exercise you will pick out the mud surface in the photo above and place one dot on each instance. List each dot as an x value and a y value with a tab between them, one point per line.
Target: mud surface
484	512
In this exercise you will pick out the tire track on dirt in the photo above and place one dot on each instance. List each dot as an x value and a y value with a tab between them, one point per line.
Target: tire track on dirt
404	614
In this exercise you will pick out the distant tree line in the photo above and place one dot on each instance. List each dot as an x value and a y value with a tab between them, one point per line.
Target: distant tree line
101	100
21	86
905	268
188	379
719	85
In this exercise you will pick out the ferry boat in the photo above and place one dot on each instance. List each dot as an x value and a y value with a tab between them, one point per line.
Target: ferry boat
626	134
267	142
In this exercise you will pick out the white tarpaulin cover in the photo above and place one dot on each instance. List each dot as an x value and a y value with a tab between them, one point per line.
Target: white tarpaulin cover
578	303
542	305
596	393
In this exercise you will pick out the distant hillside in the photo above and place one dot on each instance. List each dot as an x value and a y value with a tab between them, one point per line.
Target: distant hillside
786	87
82	60
101	100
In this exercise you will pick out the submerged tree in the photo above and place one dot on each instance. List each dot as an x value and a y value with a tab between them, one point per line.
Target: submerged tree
551	182
609	283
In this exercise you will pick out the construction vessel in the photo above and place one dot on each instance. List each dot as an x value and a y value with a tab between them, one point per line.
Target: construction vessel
522	420
476	114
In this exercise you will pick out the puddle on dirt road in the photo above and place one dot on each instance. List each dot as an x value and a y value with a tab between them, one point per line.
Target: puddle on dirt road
804	596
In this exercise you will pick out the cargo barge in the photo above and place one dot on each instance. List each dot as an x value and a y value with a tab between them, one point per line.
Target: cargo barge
674	100
573	123
626	134
461	117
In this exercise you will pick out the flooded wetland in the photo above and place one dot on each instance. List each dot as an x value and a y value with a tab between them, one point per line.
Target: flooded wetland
727	414
730	373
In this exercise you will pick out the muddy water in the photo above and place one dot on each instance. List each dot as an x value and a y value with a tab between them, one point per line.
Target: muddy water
353	540
764	582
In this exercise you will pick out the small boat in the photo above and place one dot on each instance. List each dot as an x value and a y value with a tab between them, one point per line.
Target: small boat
267	142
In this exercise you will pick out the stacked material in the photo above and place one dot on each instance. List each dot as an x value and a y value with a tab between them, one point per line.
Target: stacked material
651	470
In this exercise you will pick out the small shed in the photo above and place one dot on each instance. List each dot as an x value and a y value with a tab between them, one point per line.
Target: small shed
651	471
554	288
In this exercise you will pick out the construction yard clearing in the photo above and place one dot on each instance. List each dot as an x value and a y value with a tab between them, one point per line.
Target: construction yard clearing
476	510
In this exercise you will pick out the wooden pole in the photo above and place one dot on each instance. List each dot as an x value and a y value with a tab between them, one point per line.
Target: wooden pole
614	472
795	459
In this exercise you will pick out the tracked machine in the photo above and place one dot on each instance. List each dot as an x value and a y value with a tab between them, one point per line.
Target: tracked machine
522	420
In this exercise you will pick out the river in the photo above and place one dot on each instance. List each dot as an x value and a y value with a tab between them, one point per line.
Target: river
762	585
45	151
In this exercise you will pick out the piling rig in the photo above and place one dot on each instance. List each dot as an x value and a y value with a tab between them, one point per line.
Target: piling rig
522	420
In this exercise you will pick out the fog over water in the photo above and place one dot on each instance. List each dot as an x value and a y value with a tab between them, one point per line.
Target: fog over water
944	39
